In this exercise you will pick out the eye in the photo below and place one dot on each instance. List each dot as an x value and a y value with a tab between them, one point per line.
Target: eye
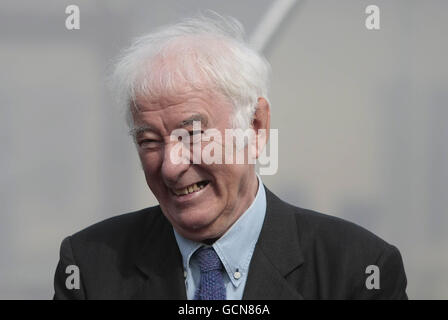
148	143
196	135
194	132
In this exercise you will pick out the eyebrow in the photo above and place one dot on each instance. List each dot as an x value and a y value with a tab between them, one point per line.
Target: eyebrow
134	132
195	117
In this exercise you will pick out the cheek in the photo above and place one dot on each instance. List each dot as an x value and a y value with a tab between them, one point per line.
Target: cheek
239	174
229	177
151	162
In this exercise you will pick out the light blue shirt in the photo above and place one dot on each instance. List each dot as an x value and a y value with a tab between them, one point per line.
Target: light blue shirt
234	248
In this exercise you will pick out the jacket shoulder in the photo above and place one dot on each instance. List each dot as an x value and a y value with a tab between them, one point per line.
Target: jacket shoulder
323	230
120	227
338	239
336	232
344	254
106	253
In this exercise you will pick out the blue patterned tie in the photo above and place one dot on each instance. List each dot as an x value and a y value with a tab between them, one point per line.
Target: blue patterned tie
212	282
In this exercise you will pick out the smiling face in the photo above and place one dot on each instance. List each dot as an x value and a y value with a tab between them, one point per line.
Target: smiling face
218	193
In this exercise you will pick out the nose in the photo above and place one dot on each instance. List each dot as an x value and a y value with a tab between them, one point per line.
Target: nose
176	161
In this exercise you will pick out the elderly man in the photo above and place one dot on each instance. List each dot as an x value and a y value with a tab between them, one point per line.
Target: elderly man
218	232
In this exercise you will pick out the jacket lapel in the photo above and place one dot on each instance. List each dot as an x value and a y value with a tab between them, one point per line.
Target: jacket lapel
161	262
277	255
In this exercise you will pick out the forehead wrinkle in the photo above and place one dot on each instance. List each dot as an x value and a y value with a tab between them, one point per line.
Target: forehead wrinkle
194	105
188	97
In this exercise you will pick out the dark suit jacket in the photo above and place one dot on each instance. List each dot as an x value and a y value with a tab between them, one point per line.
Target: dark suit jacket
300	254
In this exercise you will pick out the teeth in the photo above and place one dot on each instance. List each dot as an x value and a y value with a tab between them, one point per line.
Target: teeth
190	189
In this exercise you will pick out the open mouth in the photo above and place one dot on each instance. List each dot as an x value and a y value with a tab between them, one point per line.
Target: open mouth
195	187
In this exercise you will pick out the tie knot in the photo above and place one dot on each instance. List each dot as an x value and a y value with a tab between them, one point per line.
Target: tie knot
208	259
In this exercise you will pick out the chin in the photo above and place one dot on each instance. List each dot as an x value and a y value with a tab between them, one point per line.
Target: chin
194	221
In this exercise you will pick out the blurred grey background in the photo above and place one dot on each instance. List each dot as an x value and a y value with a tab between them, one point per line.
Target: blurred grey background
362	118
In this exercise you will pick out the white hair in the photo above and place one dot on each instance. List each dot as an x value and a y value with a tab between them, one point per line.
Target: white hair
204	52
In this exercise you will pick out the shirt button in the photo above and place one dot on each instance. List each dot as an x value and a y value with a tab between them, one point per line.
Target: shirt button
237	275
185	274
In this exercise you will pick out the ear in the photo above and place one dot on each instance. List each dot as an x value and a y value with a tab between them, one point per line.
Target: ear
261	124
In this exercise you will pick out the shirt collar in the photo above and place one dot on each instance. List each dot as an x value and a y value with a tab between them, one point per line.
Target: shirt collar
246	230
